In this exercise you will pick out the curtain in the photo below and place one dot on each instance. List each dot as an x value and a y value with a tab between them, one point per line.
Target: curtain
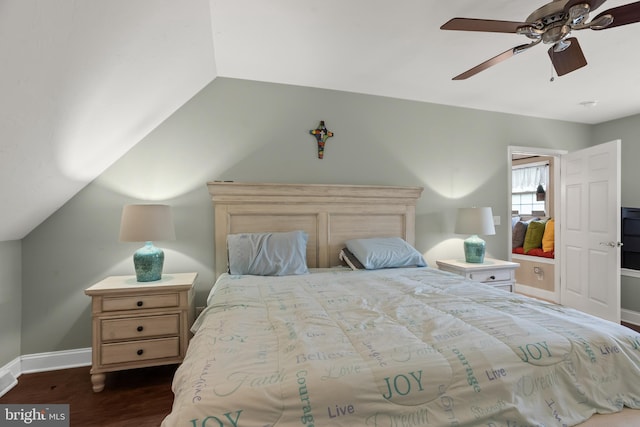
527	179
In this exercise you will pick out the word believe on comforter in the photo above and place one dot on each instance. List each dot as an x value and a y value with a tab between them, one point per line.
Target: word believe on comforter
401	347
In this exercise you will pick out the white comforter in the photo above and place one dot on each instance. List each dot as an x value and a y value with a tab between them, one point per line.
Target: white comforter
403	347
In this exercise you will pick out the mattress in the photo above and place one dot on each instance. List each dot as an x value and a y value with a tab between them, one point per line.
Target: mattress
397	347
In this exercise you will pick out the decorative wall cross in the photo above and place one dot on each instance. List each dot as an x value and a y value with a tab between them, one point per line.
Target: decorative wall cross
322	134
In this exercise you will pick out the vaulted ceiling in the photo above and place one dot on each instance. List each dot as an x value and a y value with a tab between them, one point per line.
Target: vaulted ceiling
84	81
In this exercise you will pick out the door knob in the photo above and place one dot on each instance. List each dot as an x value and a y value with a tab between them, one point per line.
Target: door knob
611	244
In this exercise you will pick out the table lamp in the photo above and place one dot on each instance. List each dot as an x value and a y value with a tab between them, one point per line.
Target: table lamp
146	223
474	221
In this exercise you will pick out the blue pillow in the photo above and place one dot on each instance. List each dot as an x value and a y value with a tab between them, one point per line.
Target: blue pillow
385	252
268	254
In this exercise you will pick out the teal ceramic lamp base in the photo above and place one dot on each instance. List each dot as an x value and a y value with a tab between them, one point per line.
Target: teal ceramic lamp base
474	248
148	262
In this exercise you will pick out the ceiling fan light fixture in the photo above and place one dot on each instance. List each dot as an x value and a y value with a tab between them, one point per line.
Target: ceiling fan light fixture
556	33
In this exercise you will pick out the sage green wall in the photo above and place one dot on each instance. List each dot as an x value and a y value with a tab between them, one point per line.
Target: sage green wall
251	131
10	300
627	130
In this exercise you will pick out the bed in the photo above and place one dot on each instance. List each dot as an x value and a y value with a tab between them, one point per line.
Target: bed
410	346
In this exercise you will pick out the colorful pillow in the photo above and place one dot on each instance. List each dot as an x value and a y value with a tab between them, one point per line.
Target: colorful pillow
385	252
268	254
548	236
533	237
518	233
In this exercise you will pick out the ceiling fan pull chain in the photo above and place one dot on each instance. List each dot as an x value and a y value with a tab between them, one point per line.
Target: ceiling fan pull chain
552	79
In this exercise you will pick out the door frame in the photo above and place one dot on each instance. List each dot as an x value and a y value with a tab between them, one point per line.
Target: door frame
556	154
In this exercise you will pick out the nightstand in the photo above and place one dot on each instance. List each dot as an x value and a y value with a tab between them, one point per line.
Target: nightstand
139	324
494	272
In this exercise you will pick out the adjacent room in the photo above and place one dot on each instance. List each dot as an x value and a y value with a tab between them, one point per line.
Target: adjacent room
326	124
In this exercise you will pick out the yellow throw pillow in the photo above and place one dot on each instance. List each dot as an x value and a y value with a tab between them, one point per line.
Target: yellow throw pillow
548	236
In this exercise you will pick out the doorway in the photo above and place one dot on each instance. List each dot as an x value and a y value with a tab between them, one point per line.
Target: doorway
587	238
538	276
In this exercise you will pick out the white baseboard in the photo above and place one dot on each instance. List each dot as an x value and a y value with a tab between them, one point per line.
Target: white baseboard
53	360
13	367
40	362
536	292
8	380
630	316
630	273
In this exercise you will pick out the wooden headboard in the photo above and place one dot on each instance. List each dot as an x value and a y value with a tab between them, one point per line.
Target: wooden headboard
330	214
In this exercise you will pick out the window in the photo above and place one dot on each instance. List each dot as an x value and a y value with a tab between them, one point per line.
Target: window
525	181
526	204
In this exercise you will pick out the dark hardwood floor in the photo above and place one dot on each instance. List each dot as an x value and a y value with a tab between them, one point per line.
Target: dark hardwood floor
137	397
631	326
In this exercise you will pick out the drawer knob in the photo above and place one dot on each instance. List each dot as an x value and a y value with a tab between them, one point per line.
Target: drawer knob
139	328
140	352
139	303
492	277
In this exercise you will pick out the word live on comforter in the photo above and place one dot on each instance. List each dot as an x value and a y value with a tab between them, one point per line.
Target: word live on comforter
401	347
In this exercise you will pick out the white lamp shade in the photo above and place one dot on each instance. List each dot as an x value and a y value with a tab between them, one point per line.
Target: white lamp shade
475	221
145	223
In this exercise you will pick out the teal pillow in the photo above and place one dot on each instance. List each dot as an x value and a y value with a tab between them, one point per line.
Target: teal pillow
533	237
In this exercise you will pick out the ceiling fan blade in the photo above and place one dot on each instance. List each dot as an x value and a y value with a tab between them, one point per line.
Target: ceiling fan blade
569	59
488	25
622	15
488	63
593	4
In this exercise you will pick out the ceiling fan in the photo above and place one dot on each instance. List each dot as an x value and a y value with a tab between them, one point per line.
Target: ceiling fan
550	24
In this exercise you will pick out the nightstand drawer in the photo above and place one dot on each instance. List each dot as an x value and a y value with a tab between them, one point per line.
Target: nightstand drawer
494	272
140	350
488	276
140	302
140	327
138	324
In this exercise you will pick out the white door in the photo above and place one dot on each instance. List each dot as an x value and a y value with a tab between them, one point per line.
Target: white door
590	230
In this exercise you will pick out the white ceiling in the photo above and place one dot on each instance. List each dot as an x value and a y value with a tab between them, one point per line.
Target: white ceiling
395	48
84	81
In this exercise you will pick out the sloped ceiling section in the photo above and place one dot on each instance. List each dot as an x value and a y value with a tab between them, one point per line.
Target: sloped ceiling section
84	81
